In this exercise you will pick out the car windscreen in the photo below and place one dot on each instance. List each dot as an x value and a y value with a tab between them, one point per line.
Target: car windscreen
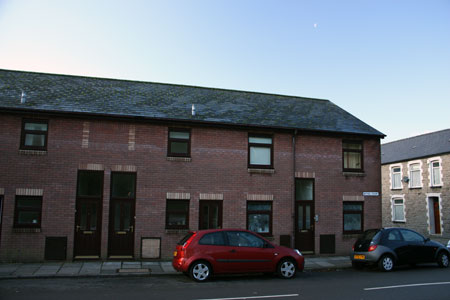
186	238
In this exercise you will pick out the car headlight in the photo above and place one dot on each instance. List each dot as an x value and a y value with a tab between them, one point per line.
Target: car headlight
298	252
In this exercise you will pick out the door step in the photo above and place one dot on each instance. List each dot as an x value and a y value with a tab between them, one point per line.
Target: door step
134	271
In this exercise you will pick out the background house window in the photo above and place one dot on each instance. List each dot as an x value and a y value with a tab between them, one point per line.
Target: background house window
28	211
353	217
259	217
436	173
177	214
352	152
396	177
260	151
414	176
179	142
34	135
398	210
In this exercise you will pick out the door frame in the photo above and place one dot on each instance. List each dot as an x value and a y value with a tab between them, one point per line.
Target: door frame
312	214
99	200
111	234
434	214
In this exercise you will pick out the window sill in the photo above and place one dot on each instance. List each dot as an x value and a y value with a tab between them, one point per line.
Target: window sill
396	189
176	231
399	222
33	152
175	158
26	230
415	187
436	186
353	174
261	171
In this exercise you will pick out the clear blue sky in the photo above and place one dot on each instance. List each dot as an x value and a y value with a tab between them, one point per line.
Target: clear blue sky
386	62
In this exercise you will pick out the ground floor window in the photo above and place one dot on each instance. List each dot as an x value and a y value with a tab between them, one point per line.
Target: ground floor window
28	211
398	210
353	217
259	217
177	214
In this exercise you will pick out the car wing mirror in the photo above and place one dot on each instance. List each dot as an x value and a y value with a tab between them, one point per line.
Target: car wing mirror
426	240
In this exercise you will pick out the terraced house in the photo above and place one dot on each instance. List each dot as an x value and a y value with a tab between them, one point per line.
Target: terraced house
416	186
112	169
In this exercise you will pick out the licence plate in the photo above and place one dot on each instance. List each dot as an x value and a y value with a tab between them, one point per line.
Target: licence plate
359	256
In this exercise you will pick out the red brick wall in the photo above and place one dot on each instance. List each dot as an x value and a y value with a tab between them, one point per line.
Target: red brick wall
218	165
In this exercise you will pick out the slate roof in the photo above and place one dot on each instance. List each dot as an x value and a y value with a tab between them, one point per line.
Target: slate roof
147	100
425	145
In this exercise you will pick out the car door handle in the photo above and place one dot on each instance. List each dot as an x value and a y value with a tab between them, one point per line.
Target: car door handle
233	251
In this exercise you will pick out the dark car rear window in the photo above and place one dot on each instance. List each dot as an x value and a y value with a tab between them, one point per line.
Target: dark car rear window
186	238
369	235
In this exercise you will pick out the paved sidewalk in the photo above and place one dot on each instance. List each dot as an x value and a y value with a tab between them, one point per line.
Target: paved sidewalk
130	268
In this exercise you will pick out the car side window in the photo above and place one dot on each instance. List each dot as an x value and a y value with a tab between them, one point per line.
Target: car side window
411	236
394	235
244	239
214	238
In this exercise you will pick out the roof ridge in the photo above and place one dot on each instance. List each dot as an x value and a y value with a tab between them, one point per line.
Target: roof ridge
416	136
167	84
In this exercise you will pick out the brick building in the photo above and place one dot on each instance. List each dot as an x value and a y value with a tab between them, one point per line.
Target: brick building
416	186
113	169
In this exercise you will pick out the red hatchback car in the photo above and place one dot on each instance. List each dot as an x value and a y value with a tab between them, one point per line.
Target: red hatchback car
200	254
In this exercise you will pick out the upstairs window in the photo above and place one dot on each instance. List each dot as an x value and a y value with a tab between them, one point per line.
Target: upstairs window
179	143
435	172
260	151
396	178
34	135
415	176
28	212
352	152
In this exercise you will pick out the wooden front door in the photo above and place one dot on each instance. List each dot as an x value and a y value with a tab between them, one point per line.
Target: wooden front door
210	214
87	228
437	216
304	226
121	228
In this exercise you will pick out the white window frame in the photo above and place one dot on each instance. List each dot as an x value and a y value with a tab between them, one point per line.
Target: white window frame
391	176
419	162
430	162
398	197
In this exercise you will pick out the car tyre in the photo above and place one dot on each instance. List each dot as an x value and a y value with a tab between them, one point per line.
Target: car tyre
442	259
357	265
386	263
200	271
286	269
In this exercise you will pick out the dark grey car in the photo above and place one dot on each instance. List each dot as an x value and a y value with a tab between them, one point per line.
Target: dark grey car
389	247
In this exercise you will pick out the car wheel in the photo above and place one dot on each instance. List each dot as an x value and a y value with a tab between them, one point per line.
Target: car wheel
357	265
442	259
386	263
286	269
200	271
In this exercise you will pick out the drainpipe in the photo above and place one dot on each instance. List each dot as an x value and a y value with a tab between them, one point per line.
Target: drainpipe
293	188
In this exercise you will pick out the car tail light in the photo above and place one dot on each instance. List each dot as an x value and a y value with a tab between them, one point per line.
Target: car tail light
372	247
353	248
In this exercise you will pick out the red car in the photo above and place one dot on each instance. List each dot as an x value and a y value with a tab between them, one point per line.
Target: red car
200	254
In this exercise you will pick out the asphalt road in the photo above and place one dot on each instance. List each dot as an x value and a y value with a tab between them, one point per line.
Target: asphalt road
423	282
